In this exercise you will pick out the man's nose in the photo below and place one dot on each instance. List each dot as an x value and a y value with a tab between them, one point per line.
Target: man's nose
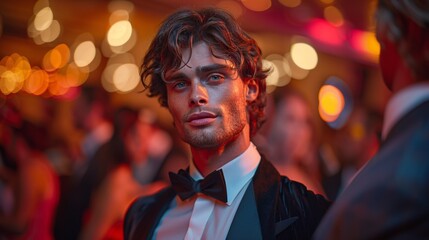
199	94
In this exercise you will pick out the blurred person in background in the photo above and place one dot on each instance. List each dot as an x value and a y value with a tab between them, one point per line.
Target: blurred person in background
92	121
125	167
292	139
388	198
353	144
92	117
34	183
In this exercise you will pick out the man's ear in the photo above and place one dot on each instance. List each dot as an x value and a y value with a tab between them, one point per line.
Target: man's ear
252	90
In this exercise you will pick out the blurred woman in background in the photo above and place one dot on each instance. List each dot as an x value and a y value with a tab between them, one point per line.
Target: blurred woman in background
292	142
132	160
34	184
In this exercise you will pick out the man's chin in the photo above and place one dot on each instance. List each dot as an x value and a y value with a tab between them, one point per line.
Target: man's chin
203	143
202	140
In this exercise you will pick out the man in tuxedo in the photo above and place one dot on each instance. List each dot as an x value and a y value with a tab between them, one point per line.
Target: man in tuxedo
389	197
208	72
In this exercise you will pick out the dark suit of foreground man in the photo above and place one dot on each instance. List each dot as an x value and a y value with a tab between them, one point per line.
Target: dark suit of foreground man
207	71
389	198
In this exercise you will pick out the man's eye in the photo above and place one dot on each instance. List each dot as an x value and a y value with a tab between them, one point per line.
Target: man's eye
216	77
179	85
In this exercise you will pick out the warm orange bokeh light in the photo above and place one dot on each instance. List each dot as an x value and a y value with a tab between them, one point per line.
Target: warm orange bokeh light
58	85
366	43
14	70
76	76
56	58
37	82
257	5
331	103
333	15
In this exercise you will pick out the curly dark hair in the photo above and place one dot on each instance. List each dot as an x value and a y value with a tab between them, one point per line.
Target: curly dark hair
219	30
395	18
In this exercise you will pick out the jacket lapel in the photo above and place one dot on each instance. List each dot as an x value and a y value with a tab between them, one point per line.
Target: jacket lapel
266	187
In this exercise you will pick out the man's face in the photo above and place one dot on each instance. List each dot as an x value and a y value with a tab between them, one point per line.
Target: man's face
207	99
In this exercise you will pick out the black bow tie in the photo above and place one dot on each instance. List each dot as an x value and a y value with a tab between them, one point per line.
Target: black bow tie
213	185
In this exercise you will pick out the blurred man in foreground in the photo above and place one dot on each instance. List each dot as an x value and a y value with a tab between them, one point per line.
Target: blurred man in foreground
389	198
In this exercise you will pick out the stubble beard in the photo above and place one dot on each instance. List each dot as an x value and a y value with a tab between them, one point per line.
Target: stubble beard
211	138
215	136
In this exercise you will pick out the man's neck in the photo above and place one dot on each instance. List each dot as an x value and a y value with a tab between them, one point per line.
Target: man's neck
207	160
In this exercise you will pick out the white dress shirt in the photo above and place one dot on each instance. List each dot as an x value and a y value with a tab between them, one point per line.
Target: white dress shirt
202	217
402	103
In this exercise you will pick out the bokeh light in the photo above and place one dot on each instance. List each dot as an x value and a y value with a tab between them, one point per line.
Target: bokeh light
54	79
333	15
43	19
58	85
273	78
14	70
335	102
126	46
366	43
331	103
119	33
304	55
119	15
296	72
37	83
283	68
43	28
121	73
232	7
51	33
74	75
257	5
84	53
126	77
56	58
290	3
326	32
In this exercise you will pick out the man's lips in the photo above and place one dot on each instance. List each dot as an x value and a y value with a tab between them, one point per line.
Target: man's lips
200	118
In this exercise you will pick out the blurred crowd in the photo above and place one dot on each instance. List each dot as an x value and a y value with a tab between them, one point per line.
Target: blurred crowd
79	186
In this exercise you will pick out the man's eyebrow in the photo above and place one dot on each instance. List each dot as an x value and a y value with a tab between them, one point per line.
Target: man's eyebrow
175	76
213	67
200	70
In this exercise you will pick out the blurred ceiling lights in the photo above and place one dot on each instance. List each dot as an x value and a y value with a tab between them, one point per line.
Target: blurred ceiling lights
67	66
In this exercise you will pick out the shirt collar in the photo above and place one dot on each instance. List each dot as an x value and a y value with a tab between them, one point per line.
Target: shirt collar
403	102
237	172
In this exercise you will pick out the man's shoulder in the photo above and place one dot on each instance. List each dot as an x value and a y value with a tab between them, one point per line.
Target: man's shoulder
298	191
294	197
141	202
146	206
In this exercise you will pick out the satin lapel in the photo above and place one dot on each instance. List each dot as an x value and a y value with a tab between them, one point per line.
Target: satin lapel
151	213
266	187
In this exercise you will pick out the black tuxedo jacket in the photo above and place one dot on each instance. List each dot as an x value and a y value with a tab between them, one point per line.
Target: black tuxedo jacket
389	197
272	207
